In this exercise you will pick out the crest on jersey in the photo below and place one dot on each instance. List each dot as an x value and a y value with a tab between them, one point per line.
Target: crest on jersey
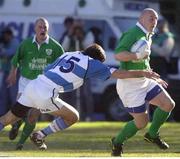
48	51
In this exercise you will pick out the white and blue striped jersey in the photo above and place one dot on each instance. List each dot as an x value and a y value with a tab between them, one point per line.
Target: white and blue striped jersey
70	70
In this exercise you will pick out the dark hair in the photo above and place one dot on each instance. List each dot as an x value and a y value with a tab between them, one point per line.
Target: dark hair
7	30
68	20
95	51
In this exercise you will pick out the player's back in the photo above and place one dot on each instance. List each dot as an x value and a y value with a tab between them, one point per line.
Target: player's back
68	71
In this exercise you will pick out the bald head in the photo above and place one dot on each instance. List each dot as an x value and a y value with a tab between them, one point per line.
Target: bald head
148	19
149	11
41	19
41	29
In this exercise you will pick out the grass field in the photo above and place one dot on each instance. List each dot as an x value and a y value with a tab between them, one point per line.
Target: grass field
92	139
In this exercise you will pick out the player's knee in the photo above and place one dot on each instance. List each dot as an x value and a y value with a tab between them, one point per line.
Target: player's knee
31	119
171	105
33	116
75	117
142	124
71	118
168	107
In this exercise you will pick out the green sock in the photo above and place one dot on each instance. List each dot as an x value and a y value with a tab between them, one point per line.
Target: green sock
27	130
159	118
128	131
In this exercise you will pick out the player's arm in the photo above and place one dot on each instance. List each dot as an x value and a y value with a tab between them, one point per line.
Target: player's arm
123	51
99	70
121	74
11	79
129	56
125	56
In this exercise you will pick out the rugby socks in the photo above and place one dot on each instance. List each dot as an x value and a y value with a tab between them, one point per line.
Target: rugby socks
27	130
1	126
57	125
159	118
128	131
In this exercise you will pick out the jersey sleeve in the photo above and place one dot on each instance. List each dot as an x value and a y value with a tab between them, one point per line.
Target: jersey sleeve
98	70
60	50
18	55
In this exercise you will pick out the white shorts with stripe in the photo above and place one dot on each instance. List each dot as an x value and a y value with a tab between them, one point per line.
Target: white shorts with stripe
136	92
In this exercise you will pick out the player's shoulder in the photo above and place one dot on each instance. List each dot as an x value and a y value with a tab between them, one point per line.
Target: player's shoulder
128	37
26	42
134	32
96	63
52	41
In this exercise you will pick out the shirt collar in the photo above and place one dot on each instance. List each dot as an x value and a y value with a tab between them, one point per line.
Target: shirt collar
142	28
45	41
148	34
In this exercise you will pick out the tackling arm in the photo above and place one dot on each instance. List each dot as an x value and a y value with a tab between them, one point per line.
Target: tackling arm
122	74
125	56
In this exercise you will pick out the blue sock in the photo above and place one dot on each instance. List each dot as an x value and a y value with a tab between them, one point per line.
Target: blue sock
57	125
1	126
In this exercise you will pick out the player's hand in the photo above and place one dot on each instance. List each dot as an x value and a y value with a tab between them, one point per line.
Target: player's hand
11	79
151	74
161	82
144	54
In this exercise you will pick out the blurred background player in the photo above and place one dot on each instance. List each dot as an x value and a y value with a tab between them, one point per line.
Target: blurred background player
162	48
68	25
31	57
8	46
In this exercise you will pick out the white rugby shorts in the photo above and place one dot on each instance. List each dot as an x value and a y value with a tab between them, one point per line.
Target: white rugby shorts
22	83
136	92
38	94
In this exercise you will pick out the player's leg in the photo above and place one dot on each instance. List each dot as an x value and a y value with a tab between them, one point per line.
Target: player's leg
66	116
16	113
13	96
133	99
165	106
129	130
14	129
7	119
30	124
15	126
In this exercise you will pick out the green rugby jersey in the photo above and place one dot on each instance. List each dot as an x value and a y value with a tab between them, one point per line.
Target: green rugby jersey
126	42
32	60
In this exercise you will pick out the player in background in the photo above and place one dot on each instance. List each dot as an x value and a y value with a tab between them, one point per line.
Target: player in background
136	93
31	57
67	73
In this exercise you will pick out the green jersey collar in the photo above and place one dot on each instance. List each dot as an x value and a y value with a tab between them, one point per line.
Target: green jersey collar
142	28
148	34
45	41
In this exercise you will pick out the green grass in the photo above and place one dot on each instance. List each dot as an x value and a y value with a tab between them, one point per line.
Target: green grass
92	139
